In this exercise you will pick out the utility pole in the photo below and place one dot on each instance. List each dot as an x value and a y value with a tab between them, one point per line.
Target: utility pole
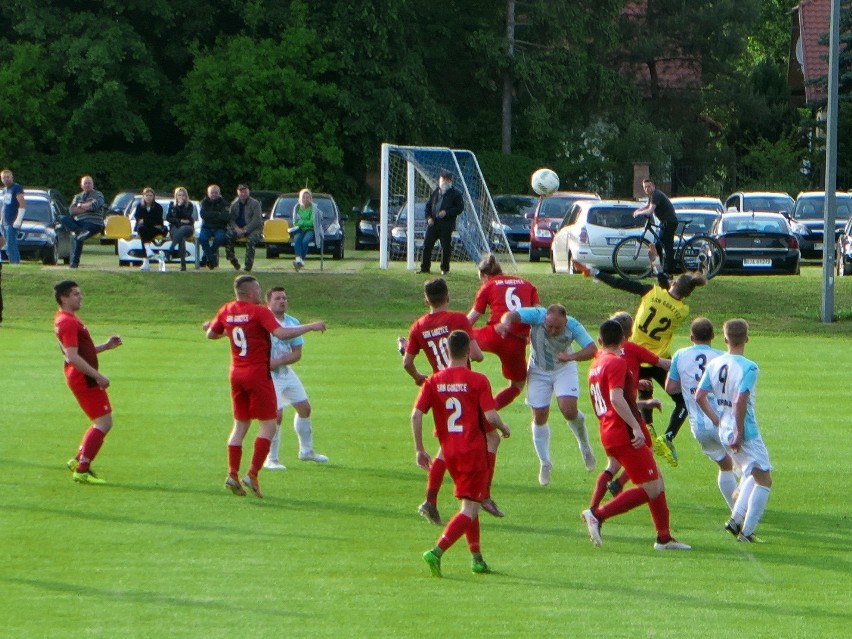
829	213
508	85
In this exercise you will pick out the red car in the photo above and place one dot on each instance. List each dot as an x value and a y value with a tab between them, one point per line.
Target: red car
547	218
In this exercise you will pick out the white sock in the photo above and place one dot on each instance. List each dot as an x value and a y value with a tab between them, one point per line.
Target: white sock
756	506
541	441
302	426
741	505
275	445
578	427
727	485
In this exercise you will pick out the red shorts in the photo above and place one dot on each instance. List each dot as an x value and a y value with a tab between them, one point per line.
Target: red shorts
471	480
253	397
511	350
92	399
638	463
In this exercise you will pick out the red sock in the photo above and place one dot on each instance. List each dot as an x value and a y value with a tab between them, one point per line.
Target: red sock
506	396
660	514
472	536
492	464
235	456
621	503
436	478
261	450
455	529
600	488
92	442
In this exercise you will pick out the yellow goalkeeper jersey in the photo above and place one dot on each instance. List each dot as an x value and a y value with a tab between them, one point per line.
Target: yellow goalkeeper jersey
657	319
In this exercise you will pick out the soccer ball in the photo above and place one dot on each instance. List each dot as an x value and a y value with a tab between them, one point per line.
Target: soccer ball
544	181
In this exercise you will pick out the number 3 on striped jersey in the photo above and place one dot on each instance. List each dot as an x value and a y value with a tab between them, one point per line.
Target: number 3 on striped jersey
453	406
238	336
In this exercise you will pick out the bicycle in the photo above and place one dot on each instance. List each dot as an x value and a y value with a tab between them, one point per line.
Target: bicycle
698	253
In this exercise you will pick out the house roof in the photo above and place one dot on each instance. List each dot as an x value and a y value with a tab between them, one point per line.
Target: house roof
814	17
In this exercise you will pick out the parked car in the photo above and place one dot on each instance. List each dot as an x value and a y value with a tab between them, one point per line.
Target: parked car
120	201
333	230
267	201
809	222
367	224
844	250
760	201
515	213
699	221
41	236
548	215
698	202
759	243
130	251
589	232
398	244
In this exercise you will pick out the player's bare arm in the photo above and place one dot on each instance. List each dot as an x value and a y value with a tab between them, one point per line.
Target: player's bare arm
586	353
287	358
422	457
72	356
495	420
672	386
290	332
111	343
619	403
512	317
740	408
473	316
704	403
411	369
664	363
475	352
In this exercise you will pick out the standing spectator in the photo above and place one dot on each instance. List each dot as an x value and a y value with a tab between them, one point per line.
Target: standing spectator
732	379
149	224
444	206
303	232
214	223
181	219
503	293
553	371
86	217
461	402
624	437
248	325
12	214
2	244
83	377
245	221
660	206
288	387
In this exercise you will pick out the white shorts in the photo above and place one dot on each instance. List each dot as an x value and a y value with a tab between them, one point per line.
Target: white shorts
752	454
289	389
710	443
542	385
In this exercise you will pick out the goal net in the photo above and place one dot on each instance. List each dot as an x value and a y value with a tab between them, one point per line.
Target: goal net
409	175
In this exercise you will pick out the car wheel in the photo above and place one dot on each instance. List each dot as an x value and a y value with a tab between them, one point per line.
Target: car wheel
534	256
338	253
50	255
271	252
124	262
572	269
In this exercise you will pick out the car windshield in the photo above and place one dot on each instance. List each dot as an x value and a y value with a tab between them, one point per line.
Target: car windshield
754	224
692	204
38	211
766	203
419	214
697	223
614	217
285	205
811	208
508	205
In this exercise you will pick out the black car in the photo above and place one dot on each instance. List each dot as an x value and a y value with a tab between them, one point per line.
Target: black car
267	201
757	243
333	244
41	236
809	222
844	250
367	225
515	213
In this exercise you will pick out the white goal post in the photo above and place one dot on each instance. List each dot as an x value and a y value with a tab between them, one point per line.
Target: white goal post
409	175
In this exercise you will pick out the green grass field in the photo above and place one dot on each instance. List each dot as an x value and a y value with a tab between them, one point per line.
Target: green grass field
334	551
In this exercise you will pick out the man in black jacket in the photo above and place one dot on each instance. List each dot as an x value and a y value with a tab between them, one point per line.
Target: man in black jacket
444	206
214	222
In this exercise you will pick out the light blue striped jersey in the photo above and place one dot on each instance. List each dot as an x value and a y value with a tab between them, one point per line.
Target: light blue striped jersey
543	347
726	377
688	365
282	346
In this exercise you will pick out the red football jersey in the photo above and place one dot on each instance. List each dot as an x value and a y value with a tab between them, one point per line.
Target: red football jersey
248	327
635	356
430	334
71	332
504	293
610	371
458	398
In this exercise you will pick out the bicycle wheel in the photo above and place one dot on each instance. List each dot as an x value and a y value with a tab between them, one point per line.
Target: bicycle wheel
630	258
702	253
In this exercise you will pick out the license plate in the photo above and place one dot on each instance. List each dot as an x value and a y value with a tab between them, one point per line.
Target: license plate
757	262
523	245
612	241
817	246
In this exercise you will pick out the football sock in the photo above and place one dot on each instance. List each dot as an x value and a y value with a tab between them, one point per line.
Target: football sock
302	426
261	450
455	529
541	441
756	506
678	416
621	503
727	486
506	396
600	489
435	479
578	427
92	443
472	536
275	444
660	515
235	456
492	463
741	504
